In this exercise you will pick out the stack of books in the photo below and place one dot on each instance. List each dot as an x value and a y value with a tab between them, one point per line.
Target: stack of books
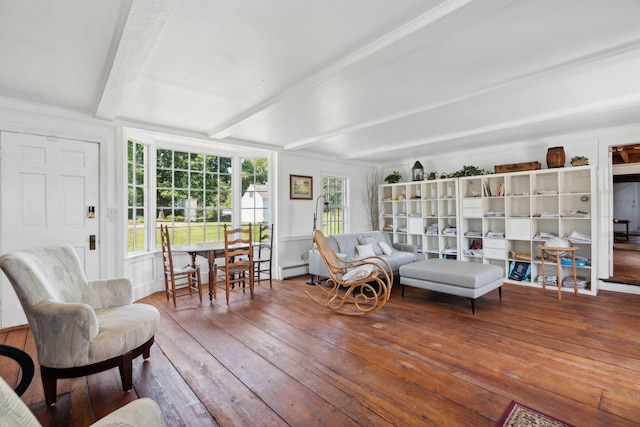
549	280
582	282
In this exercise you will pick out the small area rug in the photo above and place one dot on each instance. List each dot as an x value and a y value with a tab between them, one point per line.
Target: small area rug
517	415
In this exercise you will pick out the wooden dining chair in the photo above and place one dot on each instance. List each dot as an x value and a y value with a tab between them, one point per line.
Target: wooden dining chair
238	262
263	249
178	278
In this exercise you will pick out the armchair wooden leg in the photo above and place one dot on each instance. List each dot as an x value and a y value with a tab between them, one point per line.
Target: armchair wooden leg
124	364
49	381
126	371
146	353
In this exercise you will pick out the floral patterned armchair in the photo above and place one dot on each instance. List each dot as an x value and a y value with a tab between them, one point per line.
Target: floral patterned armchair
80	327
141	412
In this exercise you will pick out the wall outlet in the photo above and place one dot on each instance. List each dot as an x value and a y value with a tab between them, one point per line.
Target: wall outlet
304	257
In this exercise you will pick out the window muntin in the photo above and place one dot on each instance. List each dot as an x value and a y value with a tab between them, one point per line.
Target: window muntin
136	196
254	205
334	190
193	195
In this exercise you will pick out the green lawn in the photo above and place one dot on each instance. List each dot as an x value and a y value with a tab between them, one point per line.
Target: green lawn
183	234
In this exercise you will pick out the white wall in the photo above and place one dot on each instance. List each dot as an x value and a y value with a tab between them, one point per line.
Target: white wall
513	152
296	216
625	204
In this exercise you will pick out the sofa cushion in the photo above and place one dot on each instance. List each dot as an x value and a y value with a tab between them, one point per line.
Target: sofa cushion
399	258
370	240
386	249
365	251
346	243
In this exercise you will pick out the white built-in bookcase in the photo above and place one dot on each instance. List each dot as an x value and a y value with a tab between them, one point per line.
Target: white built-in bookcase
505	212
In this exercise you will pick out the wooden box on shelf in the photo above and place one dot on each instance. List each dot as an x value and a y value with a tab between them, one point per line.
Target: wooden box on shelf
517	167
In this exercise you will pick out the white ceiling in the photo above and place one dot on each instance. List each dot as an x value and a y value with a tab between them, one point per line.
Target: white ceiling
369	80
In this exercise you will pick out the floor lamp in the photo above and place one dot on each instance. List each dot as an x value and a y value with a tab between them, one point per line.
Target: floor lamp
325	208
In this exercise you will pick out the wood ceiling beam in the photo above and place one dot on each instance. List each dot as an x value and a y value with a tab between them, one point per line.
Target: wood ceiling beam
549	116
626	154
144	24
585	61
446	8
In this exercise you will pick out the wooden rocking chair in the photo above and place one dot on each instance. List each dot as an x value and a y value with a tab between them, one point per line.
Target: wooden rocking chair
358	287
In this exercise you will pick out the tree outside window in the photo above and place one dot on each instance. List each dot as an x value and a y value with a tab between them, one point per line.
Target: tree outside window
255	191
136	196
193	195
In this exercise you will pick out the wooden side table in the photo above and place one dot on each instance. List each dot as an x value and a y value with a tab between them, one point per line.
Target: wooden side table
558	251
624	222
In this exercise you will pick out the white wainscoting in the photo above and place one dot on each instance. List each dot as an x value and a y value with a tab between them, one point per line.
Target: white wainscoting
293	254
145	273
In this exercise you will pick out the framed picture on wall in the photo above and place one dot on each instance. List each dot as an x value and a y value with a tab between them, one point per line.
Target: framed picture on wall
300	187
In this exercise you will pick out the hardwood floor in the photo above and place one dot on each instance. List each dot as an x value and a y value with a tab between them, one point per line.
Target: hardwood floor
279	359
626	260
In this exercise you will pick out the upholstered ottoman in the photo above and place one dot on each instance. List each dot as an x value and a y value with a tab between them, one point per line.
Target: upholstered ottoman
461	278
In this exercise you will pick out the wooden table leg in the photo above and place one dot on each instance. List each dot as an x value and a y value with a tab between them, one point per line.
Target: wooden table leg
212	265
559	277
544	279
575	274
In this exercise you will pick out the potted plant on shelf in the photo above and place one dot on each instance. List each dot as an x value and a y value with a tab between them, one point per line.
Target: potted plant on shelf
579	161
468	171
393	177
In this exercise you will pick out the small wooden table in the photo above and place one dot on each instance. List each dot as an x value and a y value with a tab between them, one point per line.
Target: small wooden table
210	251
559	251
626	223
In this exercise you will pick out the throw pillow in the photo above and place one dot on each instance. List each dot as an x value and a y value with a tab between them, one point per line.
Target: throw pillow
365	240
365	250
358	273
385	248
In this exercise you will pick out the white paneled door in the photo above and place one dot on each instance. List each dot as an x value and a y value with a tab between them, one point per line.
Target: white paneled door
48	186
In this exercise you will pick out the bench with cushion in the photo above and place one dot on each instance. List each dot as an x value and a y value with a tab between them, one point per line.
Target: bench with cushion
465	279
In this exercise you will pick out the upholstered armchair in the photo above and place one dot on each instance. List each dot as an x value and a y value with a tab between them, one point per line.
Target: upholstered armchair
80	327
141	412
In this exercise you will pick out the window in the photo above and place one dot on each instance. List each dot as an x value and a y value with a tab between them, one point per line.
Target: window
136	189
334	190
254	206
193	195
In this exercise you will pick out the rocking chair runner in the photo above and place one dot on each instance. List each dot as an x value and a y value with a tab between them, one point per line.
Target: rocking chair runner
358	287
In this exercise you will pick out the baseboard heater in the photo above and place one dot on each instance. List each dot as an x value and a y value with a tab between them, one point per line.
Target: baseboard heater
294	270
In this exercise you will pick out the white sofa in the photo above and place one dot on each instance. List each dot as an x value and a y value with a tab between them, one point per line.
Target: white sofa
345	246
